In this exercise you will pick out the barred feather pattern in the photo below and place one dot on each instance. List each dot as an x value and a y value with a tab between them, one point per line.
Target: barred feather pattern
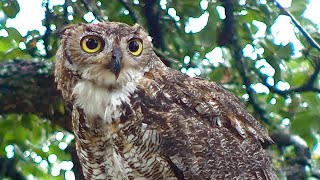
153	122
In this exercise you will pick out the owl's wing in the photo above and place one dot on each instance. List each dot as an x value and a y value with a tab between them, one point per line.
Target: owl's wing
207	134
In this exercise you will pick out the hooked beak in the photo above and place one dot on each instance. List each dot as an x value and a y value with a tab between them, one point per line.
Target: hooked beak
116	62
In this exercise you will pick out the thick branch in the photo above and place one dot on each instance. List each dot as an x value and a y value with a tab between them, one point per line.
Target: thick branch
151	10
28	87
131	12
232	42
88	5
283	139
8	168
77	169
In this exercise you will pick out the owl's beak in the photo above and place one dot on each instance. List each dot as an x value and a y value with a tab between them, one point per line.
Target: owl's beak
116	61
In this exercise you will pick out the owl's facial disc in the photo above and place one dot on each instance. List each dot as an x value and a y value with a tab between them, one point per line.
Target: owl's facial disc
115	64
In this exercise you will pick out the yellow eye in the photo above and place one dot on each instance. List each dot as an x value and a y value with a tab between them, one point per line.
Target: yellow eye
91	44
135	46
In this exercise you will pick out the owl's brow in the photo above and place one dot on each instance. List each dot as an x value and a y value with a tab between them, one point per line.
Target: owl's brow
133	36
90	29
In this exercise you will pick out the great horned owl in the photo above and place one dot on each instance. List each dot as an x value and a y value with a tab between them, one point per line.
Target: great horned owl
135	118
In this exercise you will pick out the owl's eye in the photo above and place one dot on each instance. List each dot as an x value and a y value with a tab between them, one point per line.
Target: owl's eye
135	46
91	44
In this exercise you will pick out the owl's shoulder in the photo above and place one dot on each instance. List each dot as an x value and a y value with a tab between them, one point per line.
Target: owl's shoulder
209	102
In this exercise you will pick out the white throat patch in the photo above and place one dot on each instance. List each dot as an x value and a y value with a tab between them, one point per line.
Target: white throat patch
99	101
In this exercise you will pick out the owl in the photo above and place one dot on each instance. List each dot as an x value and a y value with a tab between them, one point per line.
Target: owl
135	118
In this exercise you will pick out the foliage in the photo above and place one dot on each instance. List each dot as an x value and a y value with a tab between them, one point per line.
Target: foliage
232	42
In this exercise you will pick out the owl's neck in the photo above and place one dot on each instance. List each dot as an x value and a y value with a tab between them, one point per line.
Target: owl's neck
102	102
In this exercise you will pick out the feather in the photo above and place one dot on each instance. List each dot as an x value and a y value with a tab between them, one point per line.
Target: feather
153	122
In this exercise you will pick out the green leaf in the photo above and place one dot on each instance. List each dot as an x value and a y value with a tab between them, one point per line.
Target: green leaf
14	34
27	119
284	52
20	134
16	53
217	74
313	101
298	7
307	120
5	44
11	8
297	74
207	37
302	122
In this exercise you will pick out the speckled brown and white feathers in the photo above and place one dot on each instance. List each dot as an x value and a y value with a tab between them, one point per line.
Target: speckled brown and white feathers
153	122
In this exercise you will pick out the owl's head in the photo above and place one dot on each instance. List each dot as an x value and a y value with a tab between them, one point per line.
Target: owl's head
105	53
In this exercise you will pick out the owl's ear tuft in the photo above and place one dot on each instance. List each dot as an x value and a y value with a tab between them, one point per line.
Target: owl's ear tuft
68	27
137	28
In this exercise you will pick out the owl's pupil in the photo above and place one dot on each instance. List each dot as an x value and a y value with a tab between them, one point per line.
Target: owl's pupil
133	46
92	43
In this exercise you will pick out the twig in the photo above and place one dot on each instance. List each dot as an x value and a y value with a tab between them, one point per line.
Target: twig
131	12
315	74
164	57
315	173
176	23
295	165
91	9
312	42
308	86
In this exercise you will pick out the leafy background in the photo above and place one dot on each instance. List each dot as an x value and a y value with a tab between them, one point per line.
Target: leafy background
265	52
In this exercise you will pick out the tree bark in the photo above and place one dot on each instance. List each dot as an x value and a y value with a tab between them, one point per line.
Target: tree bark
8	168
28	87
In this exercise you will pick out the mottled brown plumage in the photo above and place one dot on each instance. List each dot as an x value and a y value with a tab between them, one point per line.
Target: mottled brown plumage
135	118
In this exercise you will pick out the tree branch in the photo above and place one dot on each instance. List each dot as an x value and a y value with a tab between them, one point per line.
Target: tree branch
131	12
151	10
165	57
47	34
231	40
312	42
88	6
77	168
307	87
294	167
8	168
65	12
28	87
